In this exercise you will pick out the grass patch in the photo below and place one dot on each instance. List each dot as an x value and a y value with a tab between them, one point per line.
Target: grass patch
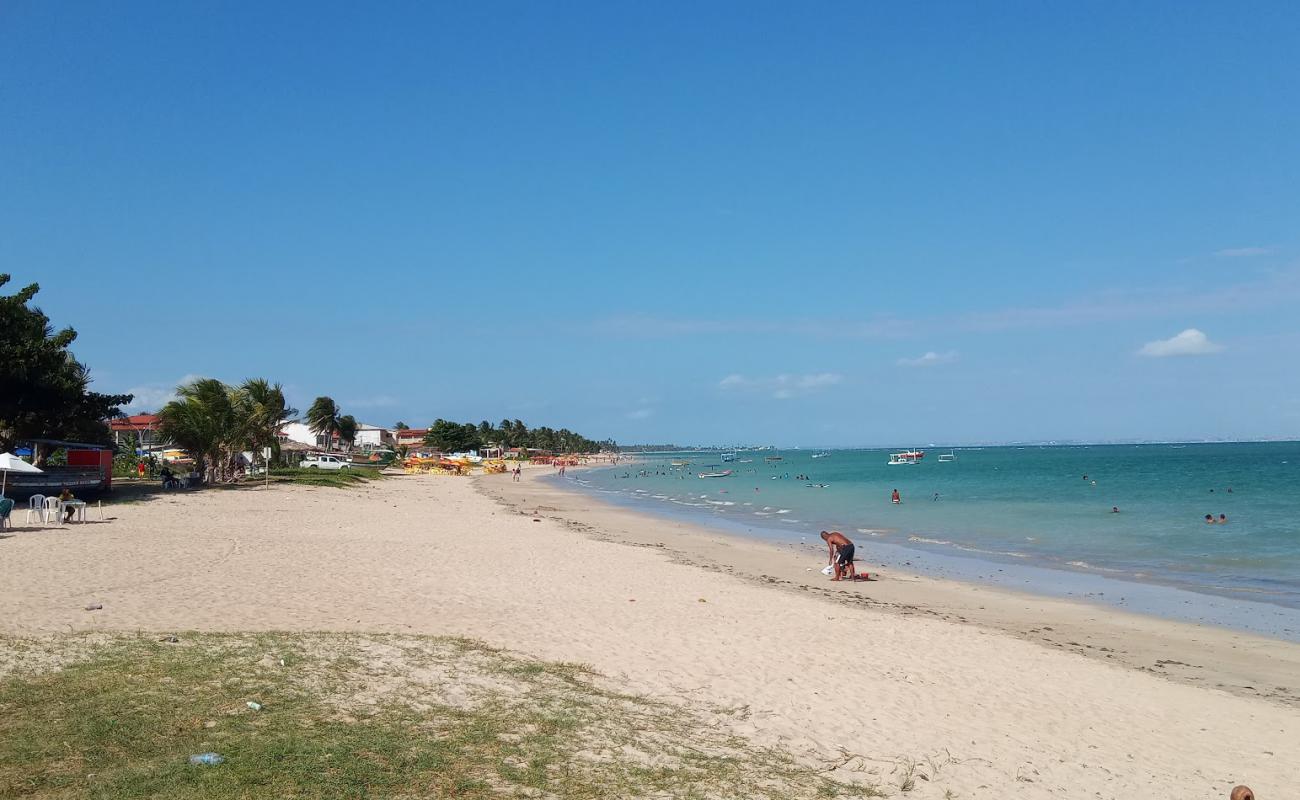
360	716
341	478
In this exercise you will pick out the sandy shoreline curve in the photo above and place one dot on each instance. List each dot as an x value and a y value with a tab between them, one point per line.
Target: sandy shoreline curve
1203	655
905	673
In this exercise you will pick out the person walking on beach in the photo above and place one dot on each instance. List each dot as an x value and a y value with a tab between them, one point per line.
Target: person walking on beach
841	554
516	473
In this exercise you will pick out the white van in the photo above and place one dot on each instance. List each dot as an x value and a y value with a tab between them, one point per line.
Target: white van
325	462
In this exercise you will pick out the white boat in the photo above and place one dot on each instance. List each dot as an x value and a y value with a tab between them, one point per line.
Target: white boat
728	457
822	454
948	456
906	457
773	459
724	474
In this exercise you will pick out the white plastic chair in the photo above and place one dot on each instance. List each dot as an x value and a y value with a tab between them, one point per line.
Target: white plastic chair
36	506
52	508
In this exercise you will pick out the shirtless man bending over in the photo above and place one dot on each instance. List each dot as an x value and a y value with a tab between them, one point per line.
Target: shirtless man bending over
841	554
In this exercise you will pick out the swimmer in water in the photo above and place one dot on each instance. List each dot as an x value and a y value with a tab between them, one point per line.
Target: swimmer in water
1223	519
1209	519
1114	509
895	498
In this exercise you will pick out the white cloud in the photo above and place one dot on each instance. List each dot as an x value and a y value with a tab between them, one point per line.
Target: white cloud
1190	342
1243	252
641	413
784	386
153	396
929	359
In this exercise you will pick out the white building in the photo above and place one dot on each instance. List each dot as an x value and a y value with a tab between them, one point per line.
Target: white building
372	436
298	432
369	436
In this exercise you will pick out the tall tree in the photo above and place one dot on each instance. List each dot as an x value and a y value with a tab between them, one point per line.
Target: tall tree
401	426
451	437
323	419
347	430
44	391
202	421
262	410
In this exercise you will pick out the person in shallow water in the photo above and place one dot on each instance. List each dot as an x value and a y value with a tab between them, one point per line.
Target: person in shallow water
1223	519
895	497
1209	519
1114	509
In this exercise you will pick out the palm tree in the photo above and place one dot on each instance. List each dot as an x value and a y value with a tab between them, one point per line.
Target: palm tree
347	428
202	421
323	419
262	410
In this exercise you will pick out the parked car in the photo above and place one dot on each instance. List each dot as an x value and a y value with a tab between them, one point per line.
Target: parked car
325	462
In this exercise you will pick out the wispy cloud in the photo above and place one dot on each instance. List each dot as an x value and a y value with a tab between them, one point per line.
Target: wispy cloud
1190	342
784	386
153	396
641	413
376	401
1243	252
929	359
1279	288
653	326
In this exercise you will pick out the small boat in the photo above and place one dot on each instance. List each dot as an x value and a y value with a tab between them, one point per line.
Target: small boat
773	459
724	474
948	456
728	457
822	454
906	457
680	463
745	461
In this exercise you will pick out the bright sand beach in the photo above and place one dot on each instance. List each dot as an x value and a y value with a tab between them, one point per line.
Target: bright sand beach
993	693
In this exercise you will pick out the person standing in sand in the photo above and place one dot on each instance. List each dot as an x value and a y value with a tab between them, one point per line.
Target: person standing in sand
841	554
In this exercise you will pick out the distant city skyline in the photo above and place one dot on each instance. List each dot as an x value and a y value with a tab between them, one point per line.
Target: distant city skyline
834	226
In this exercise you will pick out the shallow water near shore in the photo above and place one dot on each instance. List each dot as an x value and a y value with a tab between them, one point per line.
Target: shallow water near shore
1026	518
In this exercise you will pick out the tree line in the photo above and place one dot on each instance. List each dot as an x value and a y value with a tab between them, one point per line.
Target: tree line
45	394
456	437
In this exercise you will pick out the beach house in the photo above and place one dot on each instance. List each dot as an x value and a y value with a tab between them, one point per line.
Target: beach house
373	436
137	433
411	437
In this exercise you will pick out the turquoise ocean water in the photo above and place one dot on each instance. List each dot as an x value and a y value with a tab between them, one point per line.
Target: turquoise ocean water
1024	506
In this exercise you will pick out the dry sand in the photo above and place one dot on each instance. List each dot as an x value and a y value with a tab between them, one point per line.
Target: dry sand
876	677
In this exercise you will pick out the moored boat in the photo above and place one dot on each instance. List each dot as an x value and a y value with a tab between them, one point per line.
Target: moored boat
906	457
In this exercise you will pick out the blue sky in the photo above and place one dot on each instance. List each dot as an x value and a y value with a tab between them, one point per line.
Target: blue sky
826	224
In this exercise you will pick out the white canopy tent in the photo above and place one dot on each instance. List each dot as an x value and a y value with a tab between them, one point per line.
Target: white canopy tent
12	463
